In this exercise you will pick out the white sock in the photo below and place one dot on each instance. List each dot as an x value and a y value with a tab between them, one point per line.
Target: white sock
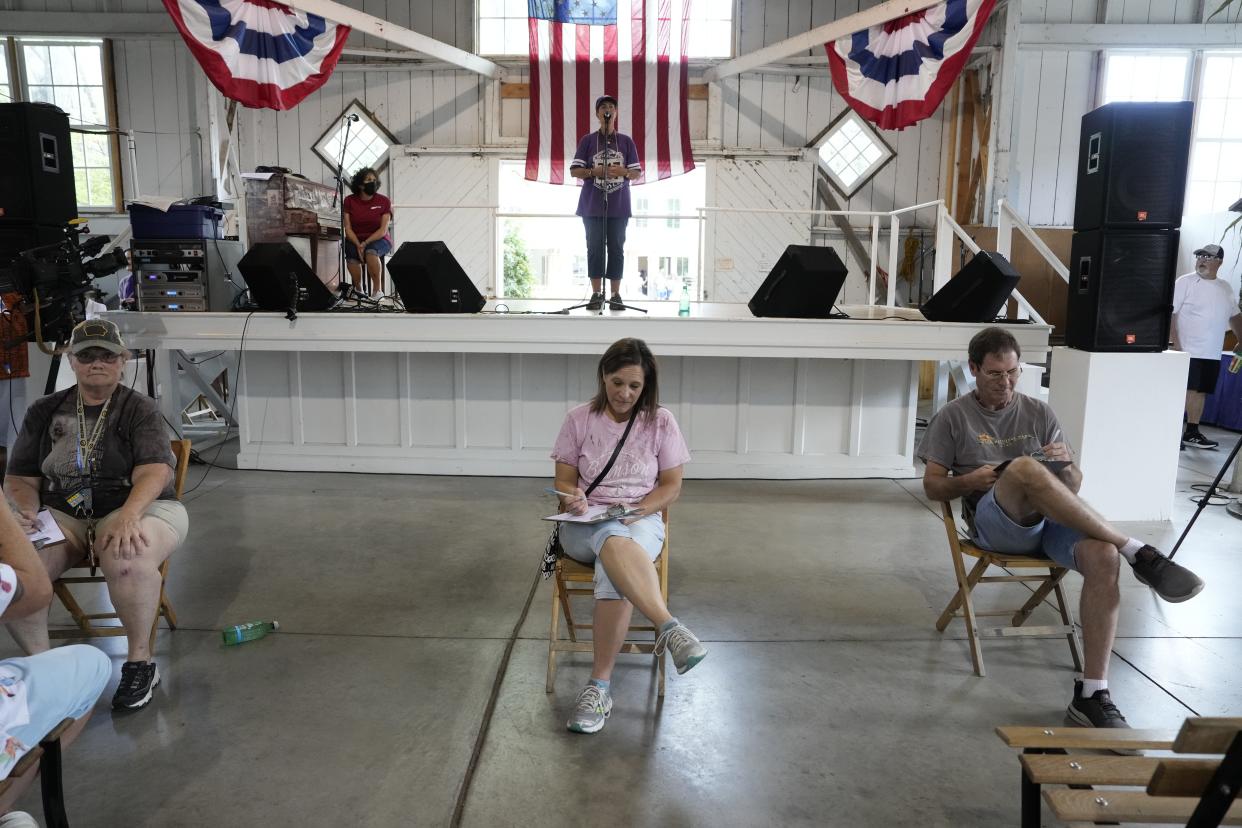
1130	549
1092	686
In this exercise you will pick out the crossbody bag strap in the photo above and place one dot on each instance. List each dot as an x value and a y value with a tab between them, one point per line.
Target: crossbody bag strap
612	459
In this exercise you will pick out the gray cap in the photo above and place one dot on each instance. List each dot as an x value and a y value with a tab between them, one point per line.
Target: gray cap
1212	251
96	333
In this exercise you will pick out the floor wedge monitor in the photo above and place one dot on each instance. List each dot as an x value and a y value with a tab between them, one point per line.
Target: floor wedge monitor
976	293
803	285
429	280
280	279
1121	290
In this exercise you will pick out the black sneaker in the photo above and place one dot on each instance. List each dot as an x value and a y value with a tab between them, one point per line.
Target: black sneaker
1198	440
597	301
138	682
1171	581
1097	710
615	302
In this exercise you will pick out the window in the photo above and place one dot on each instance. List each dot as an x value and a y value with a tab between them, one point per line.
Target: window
503	27
1216	157
852	152
6	88
70	74
640	208
674	207
1145	76
366	144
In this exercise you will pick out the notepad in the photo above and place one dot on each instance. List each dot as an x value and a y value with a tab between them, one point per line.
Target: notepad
596	514
48	532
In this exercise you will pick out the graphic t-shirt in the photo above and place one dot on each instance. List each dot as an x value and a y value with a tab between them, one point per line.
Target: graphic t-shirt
587	440
1202	307
365	216
964	435
594	150
133	435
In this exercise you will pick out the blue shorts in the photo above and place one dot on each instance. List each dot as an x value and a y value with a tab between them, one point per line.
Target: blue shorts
998	532
60	684
583	542
380	247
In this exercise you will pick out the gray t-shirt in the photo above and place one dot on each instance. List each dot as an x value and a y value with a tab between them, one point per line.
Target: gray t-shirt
964	435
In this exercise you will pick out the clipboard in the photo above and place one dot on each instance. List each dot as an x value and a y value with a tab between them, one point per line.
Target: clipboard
48	533
595	514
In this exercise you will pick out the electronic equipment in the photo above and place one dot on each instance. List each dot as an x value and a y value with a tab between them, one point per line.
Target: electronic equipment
803	284
280	280
976	293
429	280
181	275
1121	290
36	178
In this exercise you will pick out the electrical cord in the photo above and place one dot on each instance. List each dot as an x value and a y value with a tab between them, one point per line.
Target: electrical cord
241	361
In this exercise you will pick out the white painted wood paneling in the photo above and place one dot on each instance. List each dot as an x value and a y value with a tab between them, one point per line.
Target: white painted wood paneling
744	246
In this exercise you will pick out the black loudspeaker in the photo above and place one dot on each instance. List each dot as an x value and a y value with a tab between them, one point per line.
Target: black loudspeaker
430	280
279	279
36	178
803	285
1121	290
1132	161
976	293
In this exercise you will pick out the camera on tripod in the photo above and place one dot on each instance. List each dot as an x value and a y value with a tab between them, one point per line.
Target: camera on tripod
53	280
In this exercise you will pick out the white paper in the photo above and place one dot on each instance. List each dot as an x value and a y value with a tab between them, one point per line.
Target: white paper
158	202
48	531
593	514
258	176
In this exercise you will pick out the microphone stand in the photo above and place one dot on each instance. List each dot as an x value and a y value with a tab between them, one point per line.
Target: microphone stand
341	270
607	151
1203	501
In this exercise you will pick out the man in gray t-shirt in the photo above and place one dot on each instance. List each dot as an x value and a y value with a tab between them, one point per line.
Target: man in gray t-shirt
1004	454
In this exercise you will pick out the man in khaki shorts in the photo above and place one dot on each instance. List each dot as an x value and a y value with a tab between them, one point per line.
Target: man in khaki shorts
98	456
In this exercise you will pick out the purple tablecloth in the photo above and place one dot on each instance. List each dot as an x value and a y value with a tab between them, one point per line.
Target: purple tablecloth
1224	407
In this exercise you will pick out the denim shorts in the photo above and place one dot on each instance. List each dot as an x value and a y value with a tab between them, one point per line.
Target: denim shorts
61	683
380	247
583	542
998	532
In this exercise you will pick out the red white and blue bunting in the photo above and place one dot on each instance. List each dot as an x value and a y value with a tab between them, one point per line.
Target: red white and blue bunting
260	53
896	74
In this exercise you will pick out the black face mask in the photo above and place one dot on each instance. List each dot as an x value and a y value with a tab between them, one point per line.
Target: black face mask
370	187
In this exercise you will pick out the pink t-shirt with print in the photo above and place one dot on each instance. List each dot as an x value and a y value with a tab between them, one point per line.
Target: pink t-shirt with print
587	440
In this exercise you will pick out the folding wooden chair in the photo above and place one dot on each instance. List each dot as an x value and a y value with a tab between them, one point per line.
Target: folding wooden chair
568	572
963	606
87	629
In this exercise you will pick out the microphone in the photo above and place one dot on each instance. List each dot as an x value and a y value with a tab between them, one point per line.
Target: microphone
607	116
353	116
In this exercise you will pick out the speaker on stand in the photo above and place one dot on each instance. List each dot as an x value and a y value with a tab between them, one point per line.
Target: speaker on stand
1132	164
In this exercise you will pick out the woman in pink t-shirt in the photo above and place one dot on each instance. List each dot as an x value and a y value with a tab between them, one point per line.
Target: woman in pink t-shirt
646	475
367	215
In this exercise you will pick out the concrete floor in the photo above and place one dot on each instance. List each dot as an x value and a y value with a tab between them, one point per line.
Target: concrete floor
828	697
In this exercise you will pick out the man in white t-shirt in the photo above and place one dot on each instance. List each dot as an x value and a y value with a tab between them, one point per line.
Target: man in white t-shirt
1203	309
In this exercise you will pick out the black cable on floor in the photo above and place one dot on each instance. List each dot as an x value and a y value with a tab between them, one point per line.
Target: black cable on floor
464	790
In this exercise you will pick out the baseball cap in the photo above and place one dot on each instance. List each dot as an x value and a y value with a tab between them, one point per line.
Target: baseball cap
605	97
96	333
1214	251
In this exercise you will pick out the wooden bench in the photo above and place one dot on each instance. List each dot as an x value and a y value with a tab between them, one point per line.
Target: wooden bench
43	760
1197	792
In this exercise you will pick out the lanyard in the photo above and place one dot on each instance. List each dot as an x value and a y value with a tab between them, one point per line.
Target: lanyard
86	446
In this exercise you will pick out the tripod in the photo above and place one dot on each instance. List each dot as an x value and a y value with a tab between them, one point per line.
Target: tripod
1203	501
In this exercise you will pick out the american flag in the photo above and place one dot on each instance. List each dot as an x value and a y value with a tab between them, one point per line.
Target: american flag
634	50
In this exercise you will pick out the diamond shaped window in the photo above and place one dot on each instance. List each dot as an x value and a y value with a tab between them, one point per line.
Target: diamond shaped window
367	143
852	152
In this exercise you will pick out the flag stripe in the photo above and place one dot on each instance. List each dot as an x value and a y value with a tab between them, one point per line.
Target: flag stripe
640	60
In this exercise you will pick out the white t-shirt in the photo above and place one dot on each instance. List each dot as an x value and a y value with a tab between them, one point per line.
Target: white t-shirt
1203	308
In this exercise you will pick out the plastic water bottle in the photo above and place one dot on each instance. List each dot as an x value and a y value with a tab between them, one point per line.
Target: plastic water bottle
242	633
684	308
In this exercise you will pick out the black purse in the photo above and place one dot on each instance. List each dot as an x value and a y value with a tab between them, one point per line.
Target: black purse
553	550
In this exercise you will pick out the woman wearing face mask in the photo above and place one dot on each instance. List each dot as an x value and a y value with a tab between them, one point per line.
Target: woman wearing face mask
367	215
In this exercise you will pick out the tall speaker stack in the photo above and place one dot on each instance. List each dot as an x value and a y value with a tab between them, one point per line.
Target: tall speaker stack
37	196
1132	163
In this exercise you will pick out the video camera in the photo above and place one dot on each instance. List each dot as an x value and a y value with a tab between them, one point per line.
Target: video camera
53	279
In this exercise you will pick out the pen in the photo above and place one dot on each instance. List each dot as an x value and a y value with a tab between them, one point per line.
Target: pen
562	494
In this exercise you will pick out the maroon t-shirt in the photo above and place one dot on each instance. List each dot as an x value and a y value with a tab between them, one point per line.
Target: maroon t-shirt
365	216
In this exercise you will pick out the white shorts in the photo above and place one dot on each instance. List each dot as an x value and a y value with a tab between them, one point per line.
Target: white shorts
583	542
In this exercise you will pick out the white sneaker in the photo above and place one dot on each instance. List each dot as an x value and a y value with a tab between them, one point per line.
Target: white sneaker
18	819
682	645
591	711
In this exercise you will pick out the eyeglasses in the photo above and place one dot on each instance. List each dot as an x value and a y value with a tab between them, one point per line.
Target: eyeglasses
1012	373
1204	258
88	357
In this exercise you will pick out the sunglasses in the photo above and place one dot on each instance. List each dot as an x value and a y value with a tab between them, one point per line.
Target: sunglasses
91	356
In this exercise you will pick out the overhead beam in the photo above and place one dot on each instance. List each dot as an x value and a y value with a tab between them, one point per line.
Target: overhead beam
94	24
384	30
1096	36
817	37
